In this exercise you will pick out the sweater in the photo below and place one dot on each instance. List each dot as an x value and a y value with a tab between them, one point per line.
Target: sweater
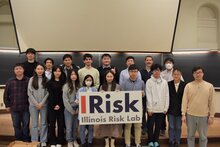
198	99
157	93
37	96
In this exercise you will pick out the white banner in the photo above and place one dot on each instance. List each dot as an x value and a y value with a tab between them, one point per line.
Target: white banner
110	107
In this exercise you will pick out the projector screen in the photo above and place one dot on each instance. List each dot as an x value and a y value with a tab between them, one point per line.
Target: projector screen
95	25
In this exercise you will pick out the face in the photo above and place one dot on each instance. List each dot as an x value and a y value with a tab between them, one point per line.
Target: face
169	65
109	77
198	75
39	70
156	73
129	62
88	61
106	60
73	76
176	75
148	61
19	71
30	56
49	64
67	62
133	74
88	81
57	73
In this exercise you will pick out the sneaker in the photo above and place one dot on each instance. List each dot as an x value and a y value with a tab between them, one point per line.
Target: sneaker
75	143
176	144
58	145
89	145
70	144
128	145
156	144
43	144
150	144
52	146
138	145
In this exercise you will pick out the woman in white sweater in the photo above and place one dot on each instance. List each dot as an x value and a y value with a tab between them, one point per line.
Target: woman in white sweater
157	93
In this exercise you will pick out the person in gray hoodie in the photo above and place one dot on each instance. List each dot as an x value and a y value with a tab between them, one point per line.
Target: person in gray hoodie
37	96
157	93
71	107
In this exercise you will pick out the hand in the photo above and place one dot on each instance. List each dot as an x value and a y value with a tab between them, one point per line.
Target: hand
8	109
57	107
183	119
102	91
76	101
211	120
39	106
150	113
165	112
143	94
113	70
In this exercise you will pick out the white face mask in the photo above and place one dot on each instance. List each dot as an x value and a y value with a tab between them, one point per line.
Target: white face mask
169	66
88	83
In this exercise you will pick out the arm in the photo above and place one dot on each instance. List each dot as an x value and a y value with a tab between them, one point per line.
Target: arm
185	101
149	96
121	78
139	75
45	97
7	100
66	101
211	102
167	100
96	80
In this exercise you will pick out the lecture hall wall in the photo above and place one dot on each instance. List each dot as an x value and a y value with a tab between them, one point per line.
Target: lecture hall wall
198	29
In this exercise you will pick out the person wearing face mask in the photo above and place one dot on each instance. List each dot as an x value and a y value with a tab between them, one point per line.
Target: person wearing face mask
87	86
167	75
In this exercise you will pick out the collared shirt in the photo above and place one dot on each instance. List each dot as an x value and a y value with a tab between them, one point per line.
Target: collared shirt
177	86
48	74
15	94
129	85
124	75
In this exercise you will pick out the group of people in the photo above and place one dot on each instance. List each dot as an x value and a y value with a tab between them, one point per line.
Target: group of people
51	93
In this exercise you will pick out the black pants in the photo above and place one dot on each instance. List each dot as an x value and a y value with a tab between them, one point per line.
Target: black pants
56	116
163	124
154	132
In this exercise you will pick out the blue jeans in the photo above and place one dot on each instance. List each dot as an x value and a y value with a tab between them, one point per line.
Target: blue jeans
175	124
83	135
71	122
21	120
43	123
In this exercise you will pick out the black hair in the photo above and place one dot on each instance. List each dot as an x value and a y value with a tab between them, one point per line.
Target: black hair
133	67
177	69
62	77
106	55
18	64
105	83
48	59
86	77
70	82
35	78
156	66
31	50
148	57
67	56
168	59
195	68
87	56
129	57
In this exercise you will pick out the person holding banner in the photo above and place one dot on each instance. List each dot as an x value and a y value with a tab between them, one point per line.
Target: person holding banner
157	93
110	84
88	86
133	83
71	107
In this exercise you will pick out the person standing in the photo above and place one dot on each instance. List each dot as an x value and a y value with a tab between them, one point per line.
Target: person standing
31	63
198	107
110	84
16	102
38	94
145	75
157	93
133	83
106	65
124	75
56	107
48	62
176	89
88	69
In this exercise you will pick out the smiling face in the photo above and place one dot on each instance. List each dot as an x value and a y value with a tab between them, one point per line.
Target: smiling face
39	70
67	62
106	61
19	71
57	73
198	75
109	77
